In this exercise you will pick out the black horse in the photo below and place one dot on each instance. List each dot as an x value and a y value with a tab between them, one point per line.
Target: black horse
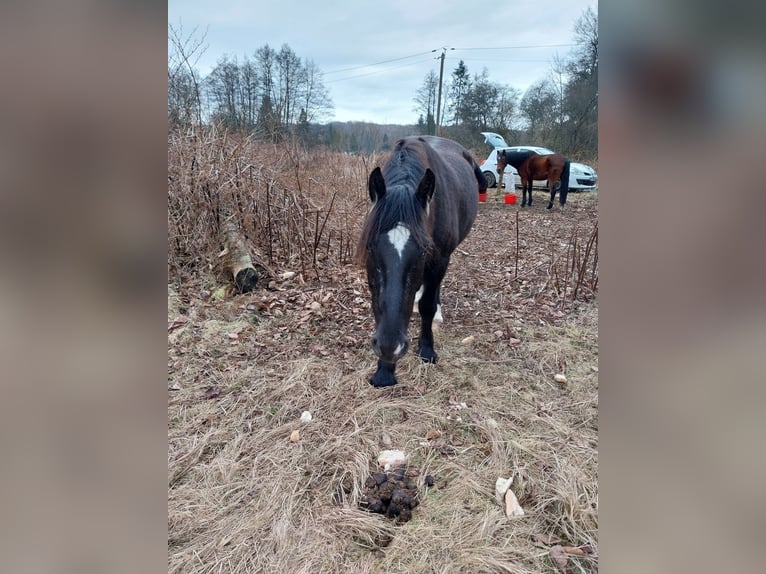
424	204
532	166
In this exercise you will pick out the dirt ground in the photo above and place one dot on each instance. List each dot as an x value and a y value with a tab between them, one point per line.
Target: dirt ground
241	369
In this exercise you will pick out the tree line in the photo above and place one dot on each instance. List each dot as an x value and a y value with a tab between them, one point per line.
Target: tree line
276	94
270	93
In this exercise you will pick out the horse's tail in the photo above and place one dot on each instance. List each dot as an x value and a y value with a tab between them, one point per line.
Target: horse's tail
564	183
480	178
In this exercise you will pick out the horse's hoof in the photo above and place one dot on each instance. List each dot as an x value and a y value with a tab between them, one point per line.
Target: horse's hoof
382	379
427	355
550	206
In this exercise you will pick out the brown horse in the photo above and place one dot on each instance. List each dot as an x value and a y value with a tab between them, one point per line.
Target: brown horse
532	166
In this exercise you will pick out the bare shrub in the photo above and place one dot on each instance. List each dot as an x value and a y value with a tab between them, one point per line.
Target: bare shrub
297	209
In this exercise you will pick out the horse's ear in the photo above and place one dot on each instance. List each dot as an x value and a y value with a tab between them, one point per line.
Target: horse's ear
376	185
426	188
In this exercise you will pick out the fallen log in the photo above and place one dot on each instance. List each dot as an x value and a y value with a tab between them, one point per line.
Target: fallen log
237	258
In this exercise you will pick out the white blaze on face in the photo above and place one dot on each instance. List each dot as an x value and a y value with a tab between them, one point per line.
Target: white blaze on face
398	237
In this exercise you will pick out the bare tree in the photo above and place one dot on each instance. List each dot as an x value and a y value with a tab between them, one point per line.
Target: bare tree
537	108
481	102
506	108
315	98
290	72
581	101
248	95
223	86
184	94
425	100
268	121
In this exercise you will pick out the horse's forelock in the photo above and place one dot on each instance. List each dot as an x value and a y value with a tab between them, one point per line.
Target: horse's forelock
402	172
398	207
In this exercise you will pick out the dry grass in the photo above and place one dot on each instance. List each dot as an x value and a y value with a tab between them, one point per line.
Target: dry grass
242	498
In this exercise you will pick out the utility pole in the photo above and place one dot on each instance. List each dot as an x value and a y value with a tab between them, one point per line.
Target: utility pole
439	99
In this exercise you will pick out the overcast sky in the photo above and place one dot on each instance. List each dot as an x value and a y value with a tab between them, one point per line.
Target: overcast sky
352	42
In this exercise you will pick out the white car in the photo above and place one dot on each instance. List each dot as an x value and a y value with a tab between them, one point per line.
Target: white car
581	176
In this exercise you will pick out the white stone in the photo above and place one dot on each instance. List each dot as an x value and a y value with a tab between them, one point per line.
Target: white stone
391	458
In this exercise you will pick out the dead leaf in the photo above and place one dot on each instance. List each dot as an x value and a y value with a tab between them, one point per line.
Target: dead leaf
468	340
559	558
176	323
432	434
295	436
578	550
212	393
546	539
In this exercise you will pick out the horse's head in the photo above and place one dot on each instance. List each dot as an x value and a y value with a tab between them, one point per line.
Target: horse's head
396	249
502	161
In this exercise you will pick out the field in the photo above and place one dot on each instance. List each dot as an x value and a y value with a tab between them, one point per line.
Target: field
520	306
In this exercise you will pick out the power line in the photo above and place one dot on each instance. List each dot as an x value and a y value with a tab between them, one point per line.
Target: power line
437	49
519	47
499	60
378	63
376	71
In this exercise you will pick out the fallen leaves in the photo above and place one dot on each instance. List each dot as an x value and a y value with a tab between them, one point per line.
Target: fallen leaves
546	539
559	553
559	558
432	434
176	323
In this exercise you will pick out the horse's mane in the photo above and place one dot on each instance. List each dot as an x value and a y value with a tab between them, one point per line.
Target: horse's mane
516	158
402	173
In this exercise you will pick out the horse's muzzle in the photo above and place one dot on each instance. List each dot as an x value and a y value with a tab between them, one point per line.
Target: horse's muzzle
390	349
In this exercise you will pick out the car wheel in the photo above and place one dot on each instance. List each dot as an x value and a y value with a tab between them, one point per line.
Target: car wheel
490	177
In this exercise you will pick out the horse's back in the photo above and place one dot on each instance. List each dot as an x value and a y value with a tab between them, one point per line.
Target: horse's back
455	171
549	166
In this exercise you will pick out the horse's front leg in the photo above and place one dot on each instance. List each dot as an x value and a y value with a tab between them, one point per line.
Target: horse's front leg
428	306
384	376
